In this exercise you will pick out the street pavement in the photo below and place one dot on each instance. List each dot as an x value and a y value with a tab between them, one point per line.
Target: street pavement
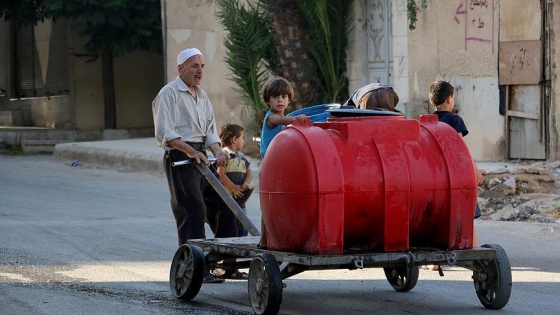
77	237
137	155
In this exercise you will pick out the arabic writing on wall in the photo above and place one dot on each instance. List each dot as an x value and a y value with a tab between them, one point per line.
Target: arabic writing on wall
520	62
477	17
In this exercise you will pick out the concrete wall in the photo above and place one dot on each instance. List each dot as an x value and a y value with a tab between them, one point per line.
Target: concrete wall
458	42
138	78
400	56
444	46
194	24
86	89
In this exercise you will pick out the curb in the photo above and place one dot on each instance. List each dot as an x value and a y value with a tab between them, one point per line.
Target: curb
91	156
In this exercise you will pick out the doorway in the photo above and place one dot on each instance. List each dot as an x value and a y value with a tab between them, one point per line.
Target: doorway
379	41
521	56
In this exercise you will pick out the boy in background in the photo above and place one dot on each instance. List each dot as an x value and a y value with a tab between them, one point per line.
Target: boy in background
277	94
442	97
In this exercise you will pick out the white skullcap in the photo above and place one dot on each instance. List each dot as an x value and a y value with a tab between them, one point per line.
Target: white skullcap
186	54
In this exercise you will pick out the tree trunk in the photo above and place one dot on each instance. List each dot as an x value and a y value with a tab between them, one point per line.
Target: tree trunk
108	89
290	33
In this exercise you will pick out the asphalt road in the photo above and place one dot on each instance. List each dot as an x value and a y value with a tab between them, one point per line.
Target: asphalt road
90	241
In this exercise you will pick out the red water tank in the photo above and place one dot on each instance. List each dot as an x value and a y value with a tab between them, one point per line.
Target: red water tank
378	183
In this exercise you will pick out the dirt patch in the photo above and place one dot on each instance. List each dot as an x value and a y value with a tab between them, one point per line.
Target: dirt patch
525	193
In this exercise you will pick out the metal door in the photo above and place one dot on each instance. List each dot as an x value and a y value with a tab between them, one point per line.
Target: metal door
521	72
524	123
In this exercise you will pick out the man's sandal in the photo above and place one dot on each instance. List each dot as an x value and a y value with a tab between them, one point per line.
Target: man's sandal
236	275
212	279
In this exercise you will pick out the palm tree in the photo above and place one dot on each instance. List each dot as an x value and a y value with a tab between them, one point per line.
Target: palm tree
304	41
329	26
290	32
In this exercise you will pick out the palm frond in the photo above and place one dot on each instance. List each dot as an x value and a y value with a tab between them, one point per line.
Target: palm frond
330	24
248	46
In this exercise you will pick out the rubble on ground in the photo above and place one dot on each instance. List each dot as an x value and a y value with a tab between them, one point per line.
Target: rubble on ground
524	193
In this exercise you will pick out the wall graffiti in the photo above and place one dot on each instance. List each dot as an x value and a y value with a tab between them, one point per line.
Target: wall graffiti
520	62
477	17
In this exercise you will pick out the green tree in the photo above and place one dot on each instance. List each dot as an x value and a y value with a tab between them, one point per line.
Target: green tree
114	28
22	13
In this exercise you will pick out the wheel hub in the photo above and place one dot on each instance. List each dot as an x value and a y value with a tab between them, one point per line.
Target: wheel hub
259	286
480	276
182	270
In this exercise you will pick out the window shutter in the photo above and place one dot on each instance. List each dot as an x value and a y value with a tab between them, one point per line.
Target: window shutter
29	76
57	73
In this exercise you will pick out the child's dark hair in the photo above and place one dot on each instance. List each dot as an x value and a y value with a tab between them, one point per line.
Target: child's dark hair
384	98
277	86
440	91
228	132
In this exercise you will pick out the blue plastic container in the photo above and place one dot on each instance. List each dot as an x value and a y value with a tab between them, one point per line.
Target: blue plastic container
316	113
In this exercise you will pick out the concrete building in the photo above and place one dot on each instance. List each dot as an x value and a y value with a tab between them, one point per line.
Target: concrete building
499	54
51	89
49	80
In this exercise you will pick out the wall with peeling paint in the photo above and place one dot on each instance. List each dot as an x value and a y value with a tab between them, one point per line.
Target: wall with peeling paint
457	41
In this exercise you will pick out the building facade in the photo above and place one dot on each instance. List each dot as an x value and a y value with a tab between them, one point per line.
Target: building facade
499	54
48	80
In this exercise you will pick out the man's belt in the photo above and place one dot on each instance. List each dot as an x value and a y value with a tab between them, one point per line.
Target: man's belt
199	146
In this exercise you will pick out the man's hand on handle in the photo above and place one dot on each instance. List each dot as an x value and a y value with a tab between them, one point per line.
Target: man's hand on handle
222	158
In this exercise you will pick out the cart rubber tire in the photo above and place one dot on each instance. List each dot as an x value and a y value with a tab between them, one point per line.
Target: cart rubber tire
187	272
402	279
493	286
265	284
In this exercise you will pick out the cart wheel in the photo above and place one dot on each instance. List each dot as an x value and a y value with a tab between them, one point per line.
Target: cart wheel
402	279
265	284
187	272
493	285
